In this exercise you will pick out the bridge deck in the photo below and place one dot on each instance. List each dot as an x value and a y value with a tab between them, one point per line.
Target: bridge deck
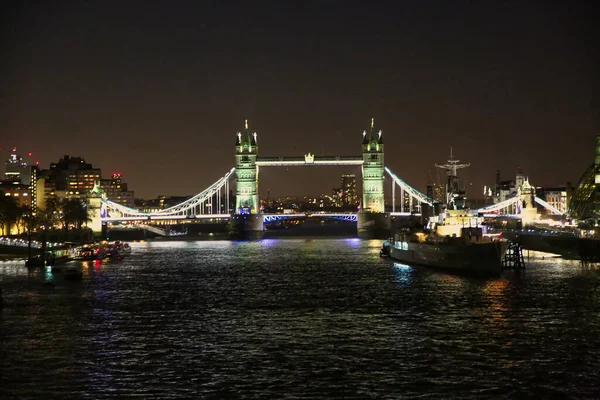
305	160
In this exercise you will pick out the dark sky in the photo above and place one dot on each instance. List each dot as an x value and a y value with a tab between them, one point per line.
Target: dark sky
158	90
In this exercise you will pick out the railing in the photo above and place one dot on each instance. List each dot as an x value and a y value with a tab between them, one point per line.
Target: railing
281	217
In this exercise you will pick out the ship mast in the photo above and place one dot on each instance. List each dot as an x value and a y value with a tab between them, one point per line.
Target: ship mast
451	166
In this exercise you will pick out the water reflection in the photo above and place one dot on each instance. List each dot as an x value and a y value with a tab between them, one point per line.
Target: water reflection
261	319
496	293
48	275
403	273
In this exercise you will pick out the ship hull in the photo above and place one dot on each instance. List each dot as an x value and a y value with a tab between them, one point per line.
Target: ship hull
483	258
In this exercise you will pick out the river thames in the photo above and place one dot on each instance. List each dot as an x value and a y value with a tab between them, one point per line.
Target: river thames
297	319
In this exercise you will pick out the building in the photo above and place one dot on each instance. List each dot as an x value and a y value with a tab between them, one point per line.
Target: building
437	192
73	175
160	203
558	197
16	169
348	187
116	190
20	192
21	181
504	190
336	199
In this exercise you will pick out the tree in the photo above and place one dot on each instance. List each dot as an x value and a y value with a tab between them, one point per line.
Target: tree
21	220
9	211
49	216
75	212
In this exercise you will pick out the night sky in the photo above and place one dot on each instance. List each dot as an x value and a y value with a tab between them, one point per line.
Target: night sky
158	90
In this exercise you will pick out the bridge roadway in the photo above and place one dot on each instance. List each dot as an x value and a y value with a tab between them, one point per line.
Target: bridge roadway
266	217
312	160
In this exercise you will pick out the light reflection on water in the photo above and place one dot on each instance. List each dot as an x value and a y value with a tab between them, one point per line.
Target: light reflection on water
297	318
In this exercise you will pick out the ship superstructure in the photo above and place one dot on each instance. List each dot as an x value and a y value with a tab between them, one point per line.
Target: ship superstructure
455	197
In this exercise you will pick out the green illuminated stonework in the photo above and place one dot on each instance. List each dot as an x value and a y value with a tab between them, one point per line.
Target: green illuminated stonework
585	203
373	170
246	172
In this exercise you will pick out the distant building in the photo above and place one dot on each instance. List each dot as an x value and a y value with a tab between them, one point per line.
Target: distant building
17	170
21	181
73	176
504	190
349	196
21	193
160	203
337	195
558	197
116	190
437	191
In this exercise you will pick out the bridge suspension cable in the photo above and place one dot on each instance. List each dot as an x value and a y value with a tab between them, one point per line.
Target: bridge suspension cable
200	204
406	188
548	206
515	202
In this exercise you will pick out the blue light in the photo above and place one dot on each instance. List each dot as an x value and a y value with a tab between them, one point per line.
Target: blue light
402	267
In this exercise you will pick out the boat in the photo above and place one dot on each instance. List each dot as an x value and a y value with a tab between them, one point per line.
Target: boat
386	248
455	239
119	249
448	243
95	251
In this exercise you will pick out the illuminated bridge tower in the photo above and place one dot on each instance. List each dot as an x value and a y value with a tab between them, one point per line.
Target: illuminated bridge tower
373	221
246	221
246	172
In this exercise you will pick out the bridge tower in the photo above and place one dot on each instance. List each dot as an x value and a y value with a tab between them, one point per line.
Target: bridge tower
528	208
97	211
246	221
246	172
373	221
372	170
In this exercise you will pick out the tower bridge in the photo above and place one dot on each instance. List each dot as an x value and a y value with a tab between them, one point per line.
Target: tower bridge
245	218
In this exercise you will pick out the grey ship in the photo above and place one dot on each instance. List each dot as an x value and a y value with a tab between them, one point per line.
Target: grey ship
455	240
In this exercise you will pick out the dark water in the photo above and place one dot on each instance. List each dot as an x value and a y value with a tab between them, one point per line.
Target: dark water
296	318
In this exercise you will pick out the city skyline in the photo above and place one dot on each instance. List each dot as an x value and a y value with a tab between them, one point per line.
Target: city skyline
158	94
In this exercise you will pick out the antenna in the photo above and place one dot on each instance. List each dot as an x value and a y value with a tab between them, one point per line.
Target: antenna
452	165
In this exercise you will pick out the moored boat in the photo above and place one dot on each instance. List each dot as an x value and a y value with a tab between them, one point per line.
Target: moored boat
471	250
119	249
95	251
454	240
